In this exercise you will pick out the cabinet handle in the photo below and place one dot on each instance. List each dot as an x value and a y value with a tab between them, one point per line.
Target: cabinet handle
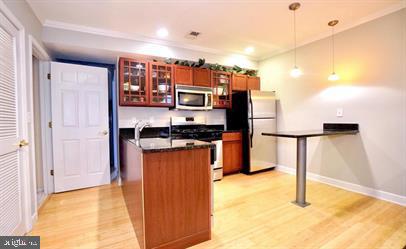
23	143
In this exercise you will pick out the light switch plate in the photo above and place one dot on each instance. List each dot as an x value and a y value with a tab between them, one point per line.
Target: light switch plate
340	112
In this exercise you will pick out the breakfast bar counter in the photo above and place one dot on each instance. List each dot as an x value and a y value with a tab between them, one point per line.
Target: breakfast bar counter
329	129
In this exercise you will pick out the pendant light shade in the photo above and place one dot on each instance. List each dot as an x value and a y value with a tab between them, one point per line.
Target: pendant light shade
296	72
333	76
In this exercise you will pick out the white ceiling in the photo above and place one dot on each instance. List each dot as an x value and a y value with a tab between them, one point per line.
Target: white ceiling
228	26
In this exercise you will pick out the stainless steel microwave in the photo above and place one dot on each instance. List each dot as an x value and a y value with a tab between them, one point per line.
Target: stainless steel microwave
193	98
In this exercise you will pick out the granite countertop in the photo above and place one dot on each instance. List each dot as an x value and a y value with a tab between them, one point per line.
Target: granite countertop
149	145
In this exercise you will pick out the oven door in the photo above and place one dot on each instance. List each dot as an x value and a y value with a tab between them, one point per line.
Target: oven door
193	100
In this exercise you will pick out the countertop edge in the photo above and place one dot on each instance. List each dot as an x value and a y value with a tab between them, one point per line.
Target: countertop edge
328	133
157	150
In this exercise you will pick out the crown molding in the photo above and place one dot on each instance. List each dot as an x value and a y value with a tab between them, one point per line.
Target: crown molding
338	29
140	38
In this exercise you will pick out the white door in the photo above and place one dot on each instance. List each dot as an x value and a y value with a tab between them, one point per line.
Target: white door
79	126
11	155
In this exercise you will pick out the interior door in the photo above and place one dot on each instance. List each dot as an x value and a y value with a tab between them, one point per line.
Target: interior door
263	150
11	155
80	126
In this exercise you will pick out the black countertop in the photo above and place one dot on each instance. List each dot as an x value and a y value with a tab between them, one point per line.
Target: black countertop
329	129
151	145
313	133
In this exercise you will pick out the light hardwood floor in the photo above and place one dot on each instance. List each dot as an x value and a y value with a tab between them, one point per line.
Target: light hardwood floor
250	212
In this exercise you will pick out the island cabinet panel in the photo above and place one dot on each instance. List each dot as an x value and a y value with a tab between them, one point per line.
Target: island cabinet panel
239	82
253	83
201	77
131	175
184	75
177	198
232	152
168	195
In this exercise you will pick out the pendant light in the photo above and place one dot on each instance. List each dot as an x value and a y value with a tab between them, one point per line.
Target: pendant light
333	76
296	72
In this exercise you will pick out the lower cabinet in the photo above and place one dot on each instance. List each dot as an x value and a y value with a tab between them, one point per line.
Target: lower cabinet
232	152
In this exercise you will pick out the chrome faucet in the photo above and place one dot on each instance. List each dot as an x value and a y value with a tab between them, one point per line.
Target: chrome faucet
136	126
139	127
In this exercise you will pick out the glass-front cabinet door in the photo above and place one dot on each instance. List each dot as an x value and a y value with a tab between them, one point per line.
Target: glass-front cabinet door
221	83
133	82
161	84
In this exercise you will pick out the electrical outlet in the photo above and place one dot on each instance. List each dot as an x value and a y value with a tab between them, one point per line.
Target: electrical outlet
340	112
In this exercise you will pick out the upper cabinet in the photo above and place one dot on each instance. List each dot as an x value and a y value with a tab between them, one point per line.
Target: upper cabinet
147	83
239	82
133	82
253	83
201	77
143	83
161	84
183	75
221	83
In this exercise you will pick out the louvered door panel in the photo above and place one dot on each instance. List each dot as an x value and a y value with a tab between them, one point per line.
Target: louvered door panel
9	193
8	126
10	184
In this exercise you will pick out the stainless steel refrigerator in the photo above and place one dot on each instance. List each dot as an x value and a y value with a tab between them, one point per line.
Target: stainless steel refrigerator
254	112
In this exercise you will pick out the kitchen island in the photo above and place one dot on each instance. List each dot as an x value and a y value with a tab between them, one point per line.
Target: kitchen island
167	190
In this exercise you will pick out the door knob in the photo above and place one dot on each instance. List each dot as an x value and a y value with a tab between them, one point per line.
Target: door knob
23	143
105	132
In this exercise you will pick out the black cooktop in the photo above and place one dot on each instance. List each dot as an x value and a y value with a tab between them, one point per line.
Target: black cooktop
198	132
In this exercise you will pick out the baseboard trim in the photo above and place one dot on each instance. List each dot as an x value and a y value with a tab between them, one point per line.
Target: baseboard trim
378	194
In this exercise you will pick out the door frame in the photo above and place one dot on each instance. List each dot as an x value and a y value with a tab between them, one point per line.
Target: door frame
22	106
35	49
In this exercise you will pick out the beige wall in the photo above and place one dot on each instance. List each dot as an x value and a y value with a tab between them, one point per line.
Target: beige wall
370	59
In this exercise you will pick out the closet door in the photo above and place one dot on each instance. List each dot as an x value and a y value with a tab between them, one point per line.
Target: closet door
11	148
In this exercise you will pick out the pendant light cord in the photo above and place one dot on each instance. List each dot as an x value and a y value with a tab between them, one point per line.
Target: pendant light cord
332	38
294	34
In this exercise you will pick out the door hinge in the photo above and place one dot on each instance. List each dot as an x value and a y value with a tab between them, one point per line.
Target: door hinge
52	172
49	76
50	124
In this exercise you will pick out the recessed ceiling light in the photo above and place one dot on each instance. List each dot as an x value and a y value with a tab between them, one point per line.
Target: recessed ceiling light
249	50
162	32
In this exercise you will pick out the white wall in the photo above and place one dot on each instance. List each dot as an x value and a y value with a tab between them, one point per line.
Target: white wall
371	61
160	117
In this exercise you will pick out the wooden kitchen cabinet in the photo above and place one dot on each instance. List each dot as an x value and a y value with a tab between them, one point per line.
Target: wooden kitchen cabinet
201	77
221	84
184	75
133	82
239	82
167	195
253	83
232	152
161	84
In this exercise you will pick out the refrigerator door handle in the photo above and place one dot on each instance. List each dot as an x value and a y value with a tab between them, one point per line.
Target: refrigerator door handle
252	120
